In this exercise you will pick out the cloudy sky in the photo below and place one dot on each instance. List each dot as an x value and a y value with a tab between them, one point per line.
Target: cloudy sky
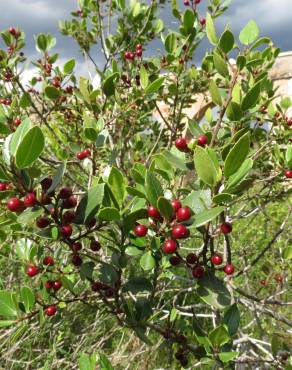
35	16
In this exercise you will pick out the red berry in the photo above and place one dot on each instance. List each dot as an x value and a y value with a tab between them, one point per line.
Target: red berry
183	214
17	122
43	222
69	89
186	2
49	284
153	212
198	271
109	292
132	56
174	260
48	261
80	155
95	245
202	21
12	31
139	53
3	186
138	47
176	205
65	193
169	246
229	269
76	260
76	247
140	230
91	223
181	144
263	282
46	183
66	231
45	199
57	284
191	258
288	174
30	200
15	205
226	228
51	310
68	217
197	1
279	278
32	270
70	202
87	152
179	231
202	140
127	55
216	259
97	286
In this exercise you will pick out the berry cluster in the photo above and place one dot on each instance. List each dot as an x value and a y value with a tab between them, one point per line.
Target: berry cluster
130	55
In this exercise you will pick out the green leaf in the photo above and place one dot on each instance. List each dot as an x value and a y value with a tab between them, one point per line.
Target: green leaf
170	43
198	200
104	363
57	178
147	261
213	291
137	284
109	214
87	362
210	29
153	188
18	136
287	253
205	167
240	62
251	98
108	86
117	184
144	79
30	147
234	112
174	160
69	66
52	93
222	198
5	323
130	220
86	270
226	41
27	298
219	336
133	251
25	100
188	20
237	155
89	204
8	306
232	319
83	86
240	174
215	93
29	215
154	86
165	208
41	43
249	33
227	356
206	216
288	156
220	65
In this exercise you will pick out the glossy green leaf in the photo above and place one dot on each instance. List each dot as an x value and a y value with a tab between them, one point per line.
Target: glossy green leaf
206	216
147	261
165	208
204	166
210	29
219	336
170	43
153	188
18	136
41	43
249	33
175	161
108	86
240	174
137	284
154	86
30	147
251	98
287	253
27	298
52	93
215	93
69	66
117	184
7	304
220	65
89	204
109	214
288	156
232	319
144	79
57	178
226	41
87	362
188	20
234	112
104	363
198	200
237	155
227	356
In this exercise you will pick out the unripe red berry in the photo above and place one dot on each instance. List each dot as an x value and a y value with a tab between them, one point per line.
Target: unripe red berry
288	174
216	259
191	258
229	269
66	231
202	140
174	260
183	214
12	31
179	231
226	228
181	144
202	21
49	284
15	205
17	122
51	310
48	261
3	186
176	205
76	260
198	271
95	245
30	200
76	247
140	230
31	270
65	193
68	217
43	222
70	202
57	284
153	212
169	246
